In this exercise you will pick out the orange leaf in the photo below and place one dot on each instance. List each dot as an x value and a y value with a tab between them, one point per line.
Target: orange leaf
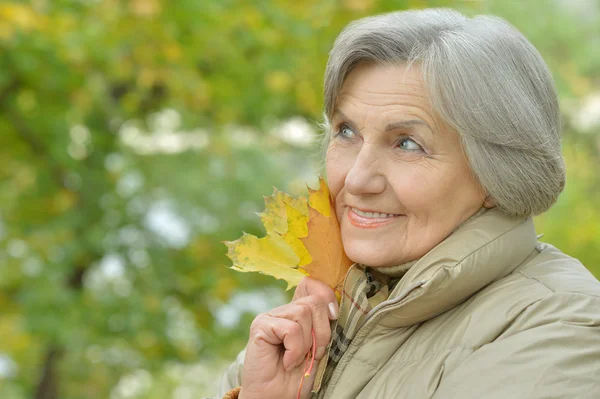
324	241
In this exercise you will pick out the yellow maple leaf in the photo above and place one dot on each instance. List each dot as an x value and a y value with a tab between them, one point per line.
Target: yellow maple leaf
274	216
296	228
303	238
321	199
268	255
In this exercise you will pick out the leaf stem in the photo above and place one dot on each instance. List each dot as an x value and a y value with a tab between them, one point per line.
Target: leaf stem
310	356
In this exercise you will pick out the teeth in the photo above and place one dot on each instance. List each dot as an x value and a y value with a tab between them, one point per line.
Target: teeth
372	214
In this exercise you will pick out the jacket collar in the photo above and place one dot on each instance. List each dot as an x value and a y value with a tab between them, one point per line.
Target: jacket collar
482	250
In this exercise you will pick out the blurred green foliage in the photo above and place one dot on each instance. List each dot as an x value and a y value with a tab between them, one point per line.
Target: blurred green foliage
137	135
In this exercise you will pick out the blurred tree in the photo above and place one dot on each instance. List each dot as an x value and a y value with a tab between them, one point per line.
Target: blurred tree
137	135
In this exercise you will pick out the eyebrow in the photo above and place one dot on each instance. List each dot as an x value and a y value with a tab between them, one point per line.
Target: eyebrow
393	125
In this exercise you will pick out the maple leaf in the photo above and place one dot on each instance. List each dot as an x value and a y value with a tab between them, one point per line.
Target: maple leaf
296	228
268	255
323	241
274	216
303	238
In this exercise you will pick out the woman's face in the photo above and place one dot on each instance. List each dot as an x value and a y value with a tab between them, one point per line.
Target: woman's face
398	174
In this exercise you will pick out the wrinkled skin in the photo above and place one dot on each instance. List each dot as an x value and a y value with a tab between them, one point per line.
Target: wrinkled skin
401	183
415	172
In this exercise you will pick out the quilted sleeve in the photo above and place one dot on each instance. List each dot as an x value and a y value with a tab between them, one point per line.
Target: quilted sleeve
231	378
551	351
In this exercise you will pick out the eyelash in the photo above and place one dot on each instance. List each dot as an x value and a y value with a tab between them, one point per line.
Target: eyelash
338	131
341	127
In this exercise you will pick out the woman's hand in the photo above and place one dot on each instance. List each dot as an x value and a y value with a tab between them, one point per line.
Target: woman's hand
280	340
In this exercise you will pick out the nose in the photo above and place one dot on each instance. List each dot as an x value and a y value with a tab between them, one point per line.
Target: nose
365	176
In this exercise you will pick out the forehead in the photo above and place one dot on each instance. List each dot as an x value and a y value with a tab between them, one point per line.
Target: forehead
384	82
381	93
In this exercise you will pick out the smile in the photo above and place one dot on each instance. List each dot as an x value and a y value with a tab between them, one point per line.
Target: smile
368	219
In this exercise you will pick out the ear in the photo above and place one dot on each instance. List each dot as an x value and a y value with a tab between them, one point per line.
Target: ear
489	202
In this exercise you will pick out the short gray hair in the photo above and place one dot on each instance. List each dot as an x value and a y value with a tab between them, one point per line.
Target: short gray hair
484	79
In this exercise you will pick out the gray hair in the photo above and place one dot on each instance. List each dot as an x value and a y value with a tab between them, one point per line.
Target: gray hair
484	79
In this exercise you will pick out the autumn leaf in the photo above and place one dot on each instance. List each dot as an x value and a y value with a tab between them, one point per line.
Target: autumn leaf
268	255
274	216
297	227
321	199
303	238
323	241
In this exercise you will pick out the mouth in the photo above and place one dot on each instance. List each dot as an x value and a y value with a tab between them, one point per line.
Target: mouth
369	219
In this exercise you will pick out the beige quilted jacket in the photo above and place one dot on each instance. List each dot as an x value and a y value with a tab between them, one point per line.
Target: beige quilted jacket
488	313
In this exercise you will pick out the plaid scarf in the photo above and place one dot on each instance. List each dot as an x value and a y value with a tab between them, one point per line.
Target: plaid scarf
364	288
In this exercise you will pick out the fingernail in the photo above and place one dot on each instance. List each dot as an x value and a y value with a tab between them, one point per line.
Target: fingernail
333	311
320	352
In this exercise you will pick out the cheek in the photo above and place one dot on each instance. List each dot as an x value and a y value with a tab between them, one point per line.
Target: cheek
436	190
336	167
413	188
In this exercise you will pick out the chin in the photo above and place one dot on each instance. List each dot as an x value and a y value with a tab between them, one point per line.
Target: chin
368	255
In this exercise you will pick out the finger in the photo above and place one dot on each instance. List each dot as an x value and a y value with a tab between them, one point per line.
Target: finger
309	286
294	342
320	322
301	313
269	333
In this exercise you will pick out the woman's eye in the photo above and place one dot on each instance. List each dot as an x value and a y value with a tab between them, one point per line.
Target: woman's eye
345	131
409	145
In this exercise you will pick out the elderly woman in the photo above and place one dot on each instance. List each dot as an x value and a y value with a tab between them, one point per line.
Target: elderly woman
443	139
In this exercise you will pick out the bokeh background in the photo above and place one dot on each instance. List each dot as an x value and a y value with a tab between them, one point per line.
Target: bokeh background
136	135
